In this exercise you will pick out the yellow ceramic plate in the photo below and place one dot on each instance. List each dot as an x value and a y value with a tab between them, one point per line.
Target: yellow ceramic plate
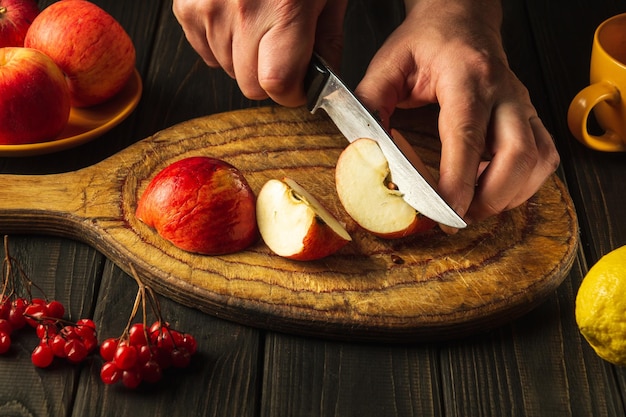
86	124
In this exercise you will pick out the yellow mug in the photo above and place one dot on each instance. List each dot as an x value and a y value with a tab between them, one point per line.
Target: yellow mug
607	78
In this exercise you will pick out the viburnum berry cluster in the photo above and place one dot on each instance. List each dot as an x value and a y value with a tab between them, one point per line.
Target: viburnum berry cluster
57	337
143	352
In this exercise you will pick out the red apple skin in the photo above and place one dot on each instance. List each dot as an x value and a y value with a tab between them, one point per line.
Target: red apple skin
421	224
202	205
34	97
319	243
16	17
89	45
277	204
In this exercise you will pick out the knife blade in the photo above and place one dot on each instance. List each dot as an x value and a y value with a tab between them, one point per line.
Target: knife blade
325	90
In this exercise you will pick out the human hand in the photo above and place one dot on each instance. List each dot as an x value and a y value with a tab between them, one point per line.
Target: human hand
496	153
266	45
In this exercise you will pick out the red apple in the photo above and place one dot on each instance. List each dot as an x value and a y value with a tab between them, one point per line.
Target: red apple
34	98
202	205
15	19
295	225
88	44
367	193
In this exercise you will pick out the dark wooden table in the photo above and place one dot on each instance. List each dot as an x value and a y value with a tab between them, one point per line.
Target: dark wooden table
537	365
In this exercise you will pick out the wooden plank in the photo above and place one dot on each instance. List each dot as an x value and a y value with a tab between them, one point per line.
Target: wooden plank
221	380
68	272
598	196
308	377
564	45
538	365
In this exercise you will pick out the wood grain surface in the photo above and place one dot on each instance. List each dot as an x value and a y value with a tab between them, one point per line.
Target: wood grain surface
426	287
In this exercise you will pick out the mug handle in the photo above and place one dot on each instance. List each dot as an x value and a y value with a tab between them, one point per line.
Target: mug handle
578	113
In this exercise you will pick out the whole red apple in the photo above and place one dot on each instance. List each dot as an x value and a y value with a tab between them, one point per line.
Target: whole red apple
88	44
34	97
202	205
16	17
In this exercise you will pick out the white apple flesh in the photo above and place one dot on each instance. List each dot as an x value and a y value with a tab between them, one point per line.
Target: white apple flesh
295	225
367	193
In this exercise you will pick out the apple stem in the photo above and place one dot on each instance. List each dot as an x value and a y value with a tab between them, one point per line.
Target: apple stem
3	9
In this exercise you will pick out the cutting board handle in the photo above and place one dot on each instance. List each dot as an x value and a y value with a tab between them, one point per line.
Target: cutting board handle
54	204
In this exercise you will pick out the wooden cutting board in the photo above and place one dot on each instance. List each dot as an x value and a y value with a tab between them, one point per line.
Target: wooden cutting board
427	287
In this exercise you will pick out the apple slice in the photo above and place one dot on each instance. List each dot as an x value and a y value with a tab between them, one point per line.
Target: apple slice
367	193
293	223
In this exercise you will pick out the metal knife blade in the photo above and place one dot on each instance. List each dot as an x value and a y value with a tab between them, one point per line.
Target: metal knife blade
327	91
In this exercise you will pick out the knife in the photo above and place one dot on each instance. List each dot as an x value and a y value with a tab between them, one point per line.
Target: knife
327	91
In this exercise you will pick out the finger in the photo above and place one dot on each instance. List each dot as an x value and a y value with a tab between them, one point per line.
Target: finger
546	166
514	158
382	86
329	32
245	58
194	30
284	52
463	125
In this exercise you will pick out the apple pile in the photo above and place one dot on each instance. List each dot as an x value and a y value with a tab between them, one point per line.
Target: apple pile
204	205
90	50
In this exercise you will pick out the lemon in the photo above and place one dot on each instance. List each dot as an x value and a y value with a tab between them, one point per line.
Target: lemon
601	307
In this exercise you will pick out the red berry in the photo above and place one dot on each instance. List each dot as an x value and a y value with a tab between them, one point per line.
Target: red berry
131	378
5	342
55	309
109	373
91	344
163	358
86	331
190	343
151	372
144	354
6	326
34	312
156	327
108	348
69	332
46	330
87	323
75	350
42	356
137	335
57	344
181	358
125	356
5	307
16	314
165	340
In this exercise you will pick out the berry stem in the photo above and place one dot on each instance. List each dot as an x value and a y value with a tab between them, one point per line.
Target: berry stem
9	279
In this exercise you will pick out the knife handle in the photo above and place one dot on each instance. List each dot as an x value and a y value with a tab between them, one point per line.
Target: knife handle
316	76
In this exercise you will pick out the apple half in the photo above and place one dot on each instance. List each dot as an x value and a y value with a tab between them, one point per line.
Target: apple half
202	205
294	224
368	194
